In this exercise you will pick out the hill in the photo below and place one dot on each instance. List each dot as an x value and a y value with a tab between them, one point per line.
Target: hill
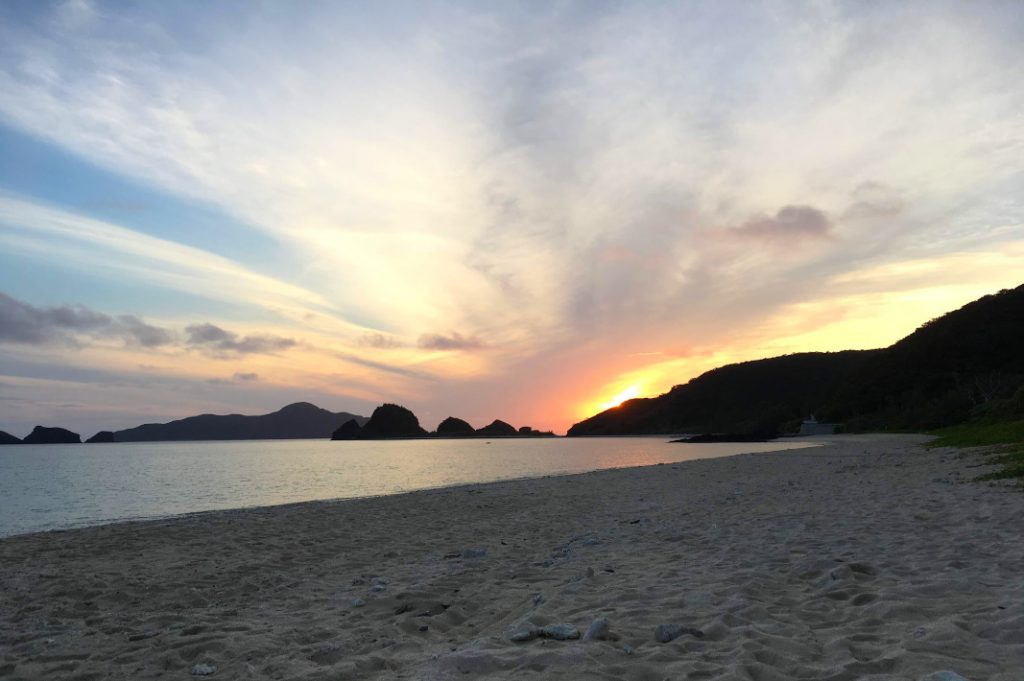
42	435
296	421
952	368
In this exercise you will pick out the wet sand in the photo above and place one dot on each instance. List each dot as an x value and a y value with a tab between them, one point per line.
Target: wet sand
863	559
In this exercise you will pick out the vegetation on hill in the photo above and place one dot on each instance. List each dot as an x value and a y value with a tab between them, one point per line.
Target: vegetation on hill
1005	440
964	365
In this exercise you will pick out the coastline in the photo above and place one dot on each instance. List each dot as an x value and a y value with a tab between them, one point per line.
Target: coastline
856	559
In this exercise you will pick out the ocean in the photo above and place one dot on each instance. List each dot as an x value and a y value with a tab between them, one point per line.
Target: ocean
48	487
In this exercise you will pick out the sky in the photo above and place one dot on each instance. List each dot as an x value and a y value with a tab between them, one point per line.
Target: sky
515	210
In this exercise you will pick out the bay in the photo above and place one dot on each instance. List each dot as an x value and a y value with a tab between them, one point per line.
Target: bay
47	487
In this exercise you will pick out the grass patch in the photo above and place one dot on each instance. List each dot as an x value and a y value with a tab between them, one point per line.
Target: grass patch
982	433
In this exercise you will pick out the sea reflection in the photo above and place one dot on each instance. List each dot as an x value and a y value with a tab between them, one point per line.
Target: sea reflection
46	487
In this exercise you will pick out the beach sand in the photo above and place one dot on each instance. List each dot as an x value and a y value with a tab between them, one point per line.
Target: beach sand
863	559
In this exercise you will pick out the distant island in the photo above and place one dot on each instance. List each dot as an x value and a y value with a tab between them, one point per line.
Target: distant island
297	421
301	420
392	421
965	364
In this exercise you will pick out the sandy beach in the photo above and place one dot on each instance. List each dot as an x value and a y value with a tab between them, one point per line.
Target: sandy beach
862	559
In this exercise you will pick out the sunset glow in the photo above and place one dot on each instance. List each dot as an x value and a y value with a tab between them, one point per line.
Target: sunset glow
487	211
627	394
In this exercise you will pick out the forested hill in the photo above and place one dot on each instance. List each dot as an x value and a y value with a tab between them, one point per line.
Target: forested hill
299	420
965	362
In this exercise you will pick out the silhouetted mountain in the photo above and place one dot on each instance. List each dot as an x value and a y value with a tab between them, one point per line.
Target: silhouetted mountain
527	431
347	431
296	421
51	436
454	427
750	398
8	439
391	421
104	436
966	362
498	428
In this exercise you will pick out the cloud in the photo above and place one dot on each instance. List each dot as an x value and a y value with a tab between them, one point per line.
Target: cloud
23	323
379	341
873	200
790	225
584	174
238	377
219	342
454	341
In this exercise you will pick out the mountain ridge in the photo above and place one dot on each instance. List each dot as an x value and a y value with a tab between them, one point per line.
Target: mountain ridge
963	363
299	420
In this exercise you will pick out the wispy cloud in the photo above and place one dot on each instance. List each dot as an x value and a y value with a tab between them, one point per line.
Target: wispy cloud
453	341
21	322
578	179
219	342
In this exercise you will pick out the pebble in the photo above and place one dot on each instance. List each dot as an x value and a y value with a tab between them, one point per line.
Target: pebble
670	632
377	588
358	602
944	675
424	627
203	670
560	632
598	630
522	631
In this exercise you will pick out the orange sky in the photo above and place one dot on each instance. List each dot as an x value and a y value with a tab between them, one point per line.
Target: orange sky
484	211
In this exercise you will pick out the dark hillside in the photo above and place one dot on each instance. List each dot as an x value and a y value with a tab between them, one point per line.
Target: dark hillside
966	363
299	420
749	398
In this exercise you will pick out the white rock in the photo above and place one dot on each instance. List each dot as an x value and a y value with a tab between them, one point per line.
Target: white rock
522	631
560	632
203	670
598	630
944	675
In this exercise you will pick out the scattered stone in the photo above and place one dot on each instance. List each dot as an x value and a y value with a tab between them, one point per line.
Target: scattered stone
379	580
598	630
560	632
203	670
590	541
403	608
377	588
523	631
358	602
538	599
944	675
628	649
193	630
424	627
670	632
474	553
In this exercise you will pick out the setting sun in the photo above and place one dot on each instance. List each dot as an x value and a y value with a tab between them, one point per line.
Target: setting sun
627	394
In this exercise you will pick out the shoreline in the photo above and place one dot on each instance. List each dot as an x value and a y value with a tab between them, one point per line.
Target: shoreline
852	560
786	444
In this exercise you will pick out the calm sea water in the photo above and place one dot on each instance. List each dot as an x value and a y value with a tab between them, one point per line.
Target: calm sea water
44	487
